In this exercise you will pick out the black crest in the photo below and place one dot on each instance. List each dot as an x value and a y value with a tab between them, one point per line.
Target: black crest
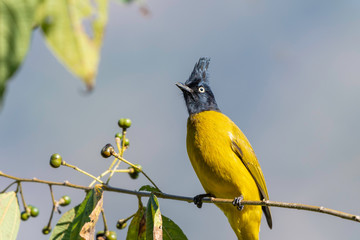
200	72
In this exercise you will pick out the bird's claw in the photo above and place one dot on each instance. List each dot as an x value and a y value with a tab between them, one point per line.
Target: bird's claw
198	199
237	202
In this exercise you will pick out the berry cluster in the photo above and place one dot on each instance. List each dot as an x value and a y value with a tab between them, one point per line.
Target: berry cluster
107	151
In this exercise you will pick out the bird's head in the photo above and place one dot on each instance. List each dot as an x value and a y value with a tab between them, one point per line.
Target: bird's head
197	93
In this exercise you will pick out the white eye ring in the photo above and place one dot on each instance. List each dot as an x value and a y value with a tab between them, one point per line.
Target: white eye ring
201	89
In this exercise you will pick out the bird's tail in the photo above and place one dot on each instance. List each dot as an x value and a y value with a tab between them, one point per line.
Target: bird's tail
267	213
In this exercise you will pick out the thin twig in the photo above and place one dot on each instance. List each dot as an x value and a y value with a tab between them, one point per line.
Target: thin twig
269	203
35	180
53	207
52	195
128	218
113	171
122	150
134	166
104	220
9	186
22	197
123	142
117	141
82	171
131	170
103	174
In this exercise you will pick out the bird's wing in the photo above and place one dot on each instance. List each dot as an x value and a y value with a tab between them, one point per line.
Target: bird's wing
242	148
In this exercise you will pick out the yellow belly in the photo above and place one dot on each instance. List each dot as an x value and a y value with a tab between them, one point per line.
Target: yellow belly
220	171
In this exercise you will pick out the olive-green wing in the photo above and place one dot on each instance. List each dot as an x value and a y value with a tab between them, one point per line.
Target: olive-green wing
245	153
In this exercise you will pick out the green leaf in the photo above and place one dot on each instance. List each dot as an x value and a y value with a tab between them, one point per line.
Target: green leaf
88	229
137	226
171	231
62	229
153	219
9	216
16	18
80	219
149	188
64	30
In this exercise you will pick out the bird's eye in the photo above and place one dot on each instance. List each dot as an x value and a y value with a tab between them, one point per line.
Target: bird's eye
201	89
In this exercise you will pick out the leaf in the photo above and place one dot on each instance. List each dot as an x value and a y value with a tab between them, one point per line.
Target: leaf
65	34
9	216
62	229
172	231
153	219
16	17
39	14
149	188
88	230
80	219
137	226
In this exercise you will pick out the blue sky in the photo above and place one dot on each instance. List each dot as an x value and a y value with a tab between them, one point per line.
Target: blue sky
285	71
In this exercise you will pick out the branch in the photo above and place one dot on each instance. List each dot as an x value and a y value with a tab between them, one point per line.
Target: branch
35	180
297	206
269	203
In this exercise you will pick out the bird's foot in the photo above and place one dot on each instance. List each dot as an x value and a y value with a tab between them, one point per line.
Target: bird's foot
198	199
237	202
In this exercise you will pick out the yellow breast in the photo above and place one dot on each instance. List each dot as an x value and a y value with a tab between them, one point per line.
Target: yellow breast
219	169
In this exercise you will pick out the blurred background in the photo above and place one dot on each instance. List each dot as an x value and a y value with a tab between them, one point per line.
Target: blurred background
286	72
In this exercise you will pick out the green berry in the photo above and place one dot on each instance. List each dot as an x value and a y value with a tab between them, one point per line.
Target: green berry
124	123
65	200
100	235
55	160
24	216
121	224
107	150
127	142
46	230
34	211
111	235
135	173
118	135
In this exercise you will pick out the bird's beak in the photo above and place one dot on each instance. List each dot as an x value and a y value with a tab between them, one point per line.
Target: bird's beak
183	87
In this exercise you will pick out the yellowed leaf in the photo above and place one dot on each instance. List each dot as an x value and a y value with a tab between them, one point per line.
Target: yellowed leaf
64	27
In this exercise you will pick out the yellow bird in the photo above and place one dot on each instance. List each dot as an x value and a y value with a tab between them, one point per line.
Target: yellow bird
222	157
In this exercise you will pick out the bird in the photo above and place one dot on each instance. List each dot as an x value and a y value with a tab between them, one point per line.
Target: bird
222	157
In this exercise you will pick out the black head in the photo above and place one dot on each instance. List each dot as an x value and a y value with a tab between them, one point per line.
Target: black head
197	93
